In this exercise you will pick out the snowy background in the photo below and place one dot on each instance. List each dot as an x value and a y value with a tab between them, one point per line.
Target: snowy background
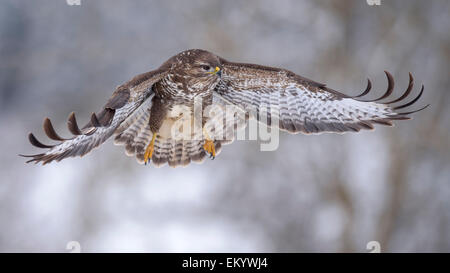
315	193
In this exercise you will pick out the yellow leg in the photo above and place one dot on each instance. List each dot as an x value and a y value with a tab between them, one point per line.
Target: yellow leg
209	145
149	150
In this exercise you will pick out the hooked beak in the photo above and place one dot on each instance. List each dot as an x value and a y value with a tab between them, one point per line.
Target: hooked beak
216	71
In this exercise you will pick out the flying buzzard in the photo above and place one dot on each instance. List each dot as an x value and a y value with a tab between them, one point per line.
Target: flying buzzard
142	112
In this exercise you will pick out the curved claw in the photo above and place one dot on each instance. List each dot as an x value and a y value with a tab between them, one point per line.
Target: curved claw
72	125
411	112
50	131
94	120
408	90
411	102
389	90
365	92
33	140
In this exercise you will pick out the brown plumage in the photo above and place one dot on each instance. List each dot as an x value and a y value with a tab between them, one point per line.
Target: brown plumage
157	101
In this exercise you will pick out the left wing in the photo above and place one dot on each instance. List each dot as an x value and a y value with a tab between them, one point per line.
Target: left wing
122	104
303	105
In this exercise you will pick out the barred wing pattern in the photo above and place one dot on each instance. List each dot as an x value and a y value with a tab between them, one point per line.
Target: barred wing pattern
302	105
124	101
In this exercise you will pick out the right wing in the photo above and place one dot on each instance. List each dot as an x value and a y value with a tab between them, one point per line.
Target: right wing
298	104
122	104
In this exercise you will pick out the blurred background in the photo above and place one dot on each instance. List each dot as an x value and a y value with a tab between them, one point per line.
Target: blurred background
315	193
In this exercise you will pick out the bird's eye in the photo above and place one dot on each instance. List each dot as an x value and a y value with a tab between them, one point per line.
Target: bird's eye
206	67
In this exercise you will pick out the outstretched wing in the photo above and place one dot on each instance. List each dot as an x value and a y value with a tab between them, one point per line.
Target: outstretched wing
303	105
122	104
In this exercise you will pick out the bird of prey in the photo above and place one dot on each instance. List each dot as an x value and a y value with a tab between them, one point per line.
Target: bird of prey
141	113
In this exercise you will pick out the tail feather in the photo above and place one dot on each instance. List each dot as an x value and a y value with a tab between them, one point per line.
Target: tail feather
180	152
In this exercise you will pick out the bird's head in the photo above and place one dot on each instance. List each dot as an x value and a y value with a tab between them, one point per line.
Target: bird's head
196	63
195	69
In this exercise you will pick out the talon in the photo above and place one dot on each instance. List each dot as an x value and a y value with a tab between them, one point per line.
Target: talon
149	150
148	153
209	148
